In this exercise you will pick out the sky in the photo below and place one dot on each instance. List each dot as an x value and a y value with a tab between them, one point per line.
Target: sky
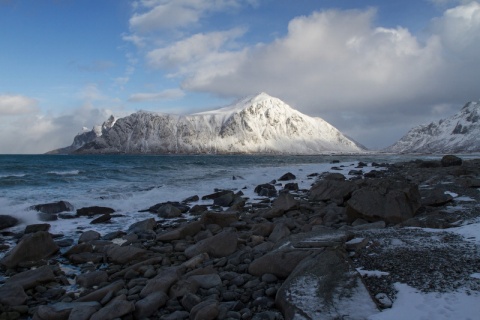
372	68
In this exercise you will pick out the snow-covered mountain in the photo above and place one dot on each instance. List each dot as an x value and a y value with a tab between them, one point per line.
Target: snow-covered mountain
257	124
86	136
457	134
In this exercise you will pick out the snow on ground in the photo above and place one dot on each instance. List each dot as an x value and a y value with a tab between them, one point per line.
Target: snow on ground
414	305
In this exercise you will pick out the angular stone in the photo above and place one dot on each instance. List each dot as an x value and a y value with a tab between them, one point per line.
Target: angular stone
99	294
7	221
32	228
115	309
279	232
325	286
336	190
222	219
163	281
285	202
93	211
266	190
54	207
104	218
32	278
390	201
144	225
31	248
90	279
12	295
168	211
287	176
148	305
279	263
122	255
206	310
224	200
88	236
220	245
436	198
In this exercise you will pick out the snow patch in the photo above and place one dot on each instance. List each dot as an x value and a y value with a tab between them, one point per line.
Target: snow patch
372	273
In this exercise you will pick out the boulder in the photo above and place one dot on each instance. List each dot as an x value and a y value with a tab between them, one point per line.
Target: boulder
53	207
266	190
43	216
220	245
325	286
7	221
206	310
335	190
93	211
190	229
279	263
31	248
89	235
12	295
101	293
194	198
279	232
287	176
144	225
123	255
163	281
450	161
113	310
223	219
284	203
206	281
148	305
90	279
168	211
104	218
436	198
292	186
379	199
215	195
32	228
224	200
180	206
31	278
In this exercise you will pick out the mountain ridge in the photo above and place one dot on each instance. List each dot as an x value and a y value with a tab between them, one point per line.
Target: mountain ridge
255	124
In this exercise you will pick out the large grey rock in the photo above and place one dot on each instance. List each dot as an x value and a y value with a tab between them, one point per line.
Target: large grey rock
390	201
325	286
163	281
90	279
31	248
12	295
88	236
223	219
168	211
284	202
144	225
450	161
279	263
190	229
335	190
220	245
122	255
7	221
31	278
95	210
113	310
148	305
53	207
99	294
206	310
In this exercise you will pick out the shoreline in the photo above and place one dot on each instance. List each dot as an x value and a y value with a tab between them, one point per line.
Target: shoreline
272	224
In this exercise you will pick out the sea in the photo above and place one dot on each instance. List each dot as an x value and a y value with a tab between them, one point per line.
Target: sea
131	183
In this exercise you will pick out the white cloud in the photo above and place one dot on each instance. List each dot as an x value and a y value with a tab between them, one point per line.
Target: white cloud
170	14
163	95
17	105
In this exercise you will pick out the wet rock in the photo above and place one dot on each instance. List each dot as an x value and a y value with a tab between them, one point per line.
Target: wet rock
32	228
216	195
287	176
284	203
266	190
168	211
189	229
380	199
325	286
144	225
194	198
102	219
450	161
31	248
292	186
220	245
42	216
31	278
224	200
88	236
93	211
7	221
180	206
54	207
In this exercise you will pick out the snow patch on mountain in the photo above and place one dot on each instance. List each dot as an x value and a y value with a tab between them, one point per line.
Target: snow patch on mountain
457	134
256	124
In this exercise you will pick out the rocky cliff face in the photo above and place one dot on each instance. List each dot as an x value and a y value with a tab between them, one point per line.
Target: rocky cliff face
258	124
457	134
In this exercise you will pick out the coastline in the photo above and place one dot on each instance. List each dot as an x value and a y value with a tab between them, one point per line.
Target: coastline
259	226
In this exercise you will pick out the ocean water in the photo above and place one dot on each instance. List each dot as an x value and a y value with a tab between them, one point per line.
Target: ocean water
129	183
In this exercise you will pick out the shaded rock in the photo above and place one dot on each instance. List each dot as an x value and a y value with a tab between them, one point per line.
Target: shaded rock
12	295
434	220
319	238
428	164
333	214
198	209
181	232
224	200
83	312
150	304
93	211
262	229
50	313
43	216
144	225
115	309
220	245
284	203
54	207
216	195
223	219
436	198
266	190
86	257
390	201
287	176
334	176
469	182
32	228
194	198
31	248
79	248
206	281
88	236
279	232
180	206
206	310
325	286
336	190
190	300
292	186
99	294
168	211
7	221
163	281
102	219
90	279
450	161
371	226
279	263
31	278
122	255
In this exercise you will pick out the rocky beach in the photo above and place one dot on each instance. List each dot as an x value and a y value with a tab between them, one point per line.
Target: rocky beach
347	247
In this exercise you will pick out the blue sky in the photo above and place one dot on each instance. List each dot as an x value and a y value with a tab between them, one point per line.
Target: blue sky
371	68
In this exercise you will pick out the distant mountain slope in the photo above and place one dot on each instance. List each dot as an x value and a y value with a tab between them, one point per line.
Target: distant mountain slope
257	124
457	134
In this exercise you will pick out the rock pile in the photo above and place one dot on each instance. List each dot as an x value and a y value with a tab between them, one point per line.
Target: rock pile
292	254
